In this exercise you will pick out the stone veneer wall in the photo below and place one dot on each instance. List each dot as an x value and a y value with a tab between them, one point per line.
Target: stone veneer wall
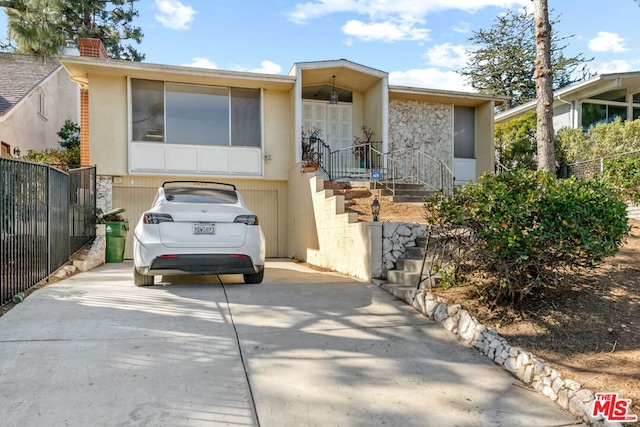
396	237
422	125
104	193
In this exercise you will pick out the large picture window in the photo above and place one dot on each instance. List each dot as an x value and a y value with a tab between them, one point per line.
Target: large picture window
176	113
147	110
593	114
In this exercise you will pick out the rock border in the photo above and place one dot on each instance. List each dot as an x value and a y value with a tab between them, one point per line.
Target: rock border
527	367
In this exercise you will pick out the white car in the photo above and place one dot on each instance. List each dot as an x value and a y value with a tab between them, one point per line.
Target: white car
198	227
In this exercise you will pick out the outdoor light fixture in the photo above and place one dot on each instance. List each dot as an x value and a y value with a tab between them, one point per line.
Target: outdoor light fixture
375	209
16	151
333	97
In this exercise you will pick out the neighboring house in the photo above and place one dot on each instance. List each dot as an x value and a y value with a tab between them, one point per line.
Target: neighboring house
36	97
146	123
600	99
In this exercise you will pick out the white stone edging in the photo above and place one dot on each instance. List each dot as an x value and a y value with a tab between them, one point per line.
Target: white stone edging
528	368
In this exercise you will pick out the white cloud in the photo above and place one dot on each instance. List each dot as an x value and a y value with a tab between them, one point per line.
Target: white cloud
390	21
398	10
448	55
268	67
615	66
174	14
384	31
462	28
430	78
201	62
607	42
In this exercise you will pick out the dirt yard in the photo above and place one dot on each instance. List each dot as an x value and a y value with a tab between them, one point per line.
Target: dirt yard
589	331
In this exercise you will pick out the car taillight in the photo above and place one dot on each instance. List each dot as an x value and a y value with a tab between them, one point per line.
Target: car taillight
247	219
156	218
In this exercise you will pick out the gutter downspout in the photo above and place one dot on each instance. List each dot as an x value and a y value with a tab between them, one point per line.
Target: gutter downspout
572	110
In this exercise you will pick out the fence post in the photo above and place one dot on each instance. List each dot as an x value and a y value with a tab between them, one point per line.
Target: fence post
48	203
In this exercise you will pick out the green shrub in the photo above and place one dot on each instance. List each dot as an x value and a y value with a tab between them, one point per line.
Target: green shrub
523	227
601	140
623	174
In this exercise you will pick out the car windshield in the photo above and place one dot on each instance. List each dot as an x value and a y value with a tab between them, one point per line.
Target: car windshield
200	195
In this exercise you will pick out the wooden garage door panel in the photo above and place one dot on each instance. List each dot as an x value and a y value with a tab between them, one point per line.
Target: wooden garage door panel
264	203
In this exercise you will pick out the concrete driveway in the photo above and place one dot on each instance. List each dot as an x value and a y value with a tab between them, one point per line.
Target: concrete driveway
302	349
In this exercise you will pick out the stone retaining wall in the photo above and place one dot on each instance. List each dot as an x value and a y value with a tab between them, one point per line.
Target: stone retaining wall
530	369
396	238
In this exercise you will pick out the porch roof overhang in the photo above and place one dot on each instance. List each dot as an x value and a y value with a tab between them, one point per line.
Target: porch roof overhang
465	99
579	91
349	75
81	68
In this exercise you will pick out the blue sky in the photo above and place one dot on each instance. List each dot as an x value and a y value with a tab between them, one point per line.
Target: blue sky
419	42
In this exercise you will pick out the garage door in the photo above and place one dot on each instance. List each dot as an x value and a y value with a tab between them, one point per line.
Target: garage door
264	203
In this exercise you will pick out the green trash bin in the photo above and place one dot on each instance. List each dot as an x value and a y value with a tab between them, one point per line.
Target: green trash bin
116	233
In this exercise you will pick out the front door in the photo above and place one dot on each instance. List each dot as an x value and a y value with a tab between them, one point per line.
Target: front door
333	121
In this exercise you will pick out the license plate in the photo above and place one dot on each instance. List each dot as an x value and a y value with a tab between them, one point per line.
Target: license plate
204	229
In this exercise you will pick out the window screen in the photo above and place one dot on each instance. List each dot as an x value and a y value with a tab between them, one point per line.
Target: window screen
464	124
147	110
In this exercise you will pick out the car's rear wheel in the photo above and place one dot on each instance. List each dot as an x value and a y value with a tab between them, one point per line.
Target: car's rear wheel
254	278
141	279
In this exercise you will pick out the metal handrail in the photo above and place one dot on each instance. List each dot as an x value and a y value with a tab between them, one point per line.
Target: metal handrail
417	167
409	165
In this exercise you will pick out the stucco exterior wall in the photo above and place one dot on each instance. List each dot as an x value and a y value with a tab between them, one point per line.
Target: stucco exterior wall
422	125
321	232
108	125
278	138
484	135
26	128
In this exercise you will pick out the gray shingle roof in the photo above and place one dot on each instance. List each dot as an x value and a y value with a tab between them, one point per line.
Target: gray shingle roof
19	75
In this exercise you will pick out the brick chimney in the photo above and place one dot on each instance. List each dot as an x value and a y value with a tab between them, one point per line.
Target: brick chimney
92	48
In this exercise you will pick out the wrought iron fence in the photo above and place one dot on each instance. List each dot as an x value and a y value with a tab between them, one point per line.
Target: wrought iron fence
82	207
35	221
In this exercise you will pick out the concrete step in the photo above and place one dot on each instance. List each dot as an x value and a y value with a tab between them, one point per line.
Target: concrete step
405	293
412	265
409	198
410	278
414	252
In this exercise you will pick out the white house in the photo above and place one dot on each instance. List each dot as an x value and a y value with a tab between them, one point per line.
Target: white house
598	100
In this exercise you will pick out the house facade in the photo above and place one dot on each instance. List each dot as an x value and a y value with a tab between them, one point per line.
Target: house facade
600	99
148	123
36	98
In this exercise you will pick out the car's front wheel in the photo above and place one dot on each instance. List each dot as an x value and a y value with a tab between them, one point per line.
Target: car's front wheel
141	279
254	278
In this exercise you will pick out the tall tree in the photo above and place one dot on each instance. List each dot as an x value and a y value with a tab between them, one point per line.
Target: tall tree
502	62
32	25
544	87
43	27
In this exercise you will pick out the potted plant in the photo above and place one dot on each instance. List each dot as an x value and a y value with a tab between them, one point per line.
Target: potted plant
362	146
310	154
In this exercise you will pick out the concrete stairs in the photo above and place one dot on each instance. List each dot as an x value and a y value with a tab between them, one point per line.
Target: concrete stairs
406	280
408	193
404	193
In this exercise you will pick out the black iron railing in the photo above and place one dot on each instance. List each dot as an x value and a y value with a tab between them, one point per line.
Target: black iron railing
35	223
367	162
